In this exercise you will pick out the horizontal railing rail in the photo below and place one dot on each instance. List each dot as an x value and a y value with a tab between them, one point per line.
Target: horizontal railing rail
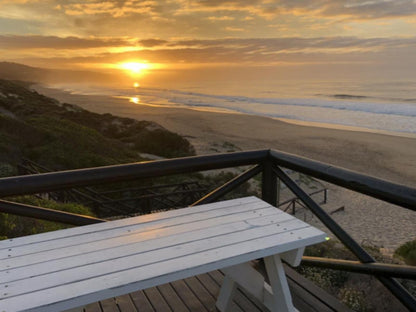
38	183
267	162
382	269
25	210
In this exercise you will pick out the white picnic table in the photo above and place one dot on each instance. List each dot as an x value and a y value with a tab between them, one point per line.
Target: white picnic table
70	268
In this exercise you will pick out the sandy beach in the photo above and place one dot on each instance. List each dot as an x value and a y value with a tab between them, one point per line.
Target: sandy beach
384	156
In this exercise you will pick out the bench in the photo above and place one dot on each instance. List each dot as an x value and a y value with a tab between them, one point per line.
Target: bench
70	268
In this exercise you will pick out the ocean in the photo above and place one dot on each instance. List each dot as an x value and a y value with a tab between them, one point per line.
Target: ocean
386	106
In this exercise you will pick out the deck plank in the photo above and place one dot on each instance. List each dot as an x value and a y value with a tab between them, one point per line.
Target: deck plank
201	292
109	305
93	307
210	285
125	303
157	300
172	298
188	297
204	288
306	293
141	302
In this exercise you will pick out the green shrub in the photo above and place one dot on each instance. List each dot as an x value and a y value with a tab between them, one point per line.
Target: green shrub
68	137
353	298
164	143
329	249
15	226
407	252
67	145
7	170
330	280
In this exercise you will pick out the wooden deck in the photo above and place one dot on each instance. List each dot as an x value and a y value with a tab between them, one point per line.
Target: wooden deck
196	293
199	293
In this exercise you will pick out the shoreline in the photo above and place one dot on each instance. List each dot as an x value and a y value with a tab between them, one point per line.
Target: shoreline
212	109
387	157
286	120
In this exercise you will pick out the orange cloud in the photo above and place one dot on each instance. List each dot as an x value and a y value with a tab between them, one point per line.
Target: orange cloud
220	18
111	8
234	29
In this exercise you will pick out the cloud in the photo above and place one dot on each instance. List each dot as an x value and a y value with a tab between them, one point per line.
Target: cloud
371	9
202	19
291	43
272	50
253	52
220	18
234	29
115	9
53	42
353	9
230	45
149	43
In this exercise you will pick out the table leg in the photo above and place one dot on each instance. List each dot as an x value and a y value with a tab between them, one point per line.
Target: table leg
225	298
281	299
275	296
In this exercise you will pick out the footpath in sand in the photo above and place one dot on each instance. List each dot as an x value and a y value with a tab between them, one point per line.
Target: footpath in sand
388	157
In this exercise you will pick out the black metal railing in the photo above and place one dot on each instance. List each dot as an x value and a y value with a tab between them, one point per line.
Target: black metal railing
267	162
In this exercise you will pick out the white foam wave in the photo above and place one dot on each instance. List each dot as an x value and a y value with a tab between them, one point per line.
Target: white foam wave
389	116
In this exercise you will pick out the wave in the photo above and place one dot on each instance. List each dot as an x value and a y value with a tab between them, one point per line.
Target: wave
344	102
366	97
349	96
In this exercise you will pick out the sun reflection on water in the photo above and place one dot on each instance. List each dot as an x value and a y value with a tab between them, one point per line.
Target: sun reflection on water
135	100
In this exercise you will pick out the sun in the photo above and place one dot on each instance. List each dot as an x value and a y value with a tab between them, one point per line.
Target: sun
134	67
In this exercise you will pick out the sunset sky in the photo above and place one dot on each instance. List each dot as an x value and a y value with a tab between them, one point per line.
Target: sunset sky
379	34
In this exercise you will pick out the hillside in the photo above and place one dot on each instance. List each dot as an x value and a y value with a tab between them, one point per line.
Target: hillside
65	136
15	71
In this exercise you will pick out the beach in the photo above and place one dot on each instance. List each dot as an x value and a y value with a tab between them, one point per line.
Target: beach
389	157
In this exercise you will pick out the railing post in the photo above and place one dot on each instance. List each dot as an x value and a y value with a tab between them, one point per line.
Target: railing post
269	183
